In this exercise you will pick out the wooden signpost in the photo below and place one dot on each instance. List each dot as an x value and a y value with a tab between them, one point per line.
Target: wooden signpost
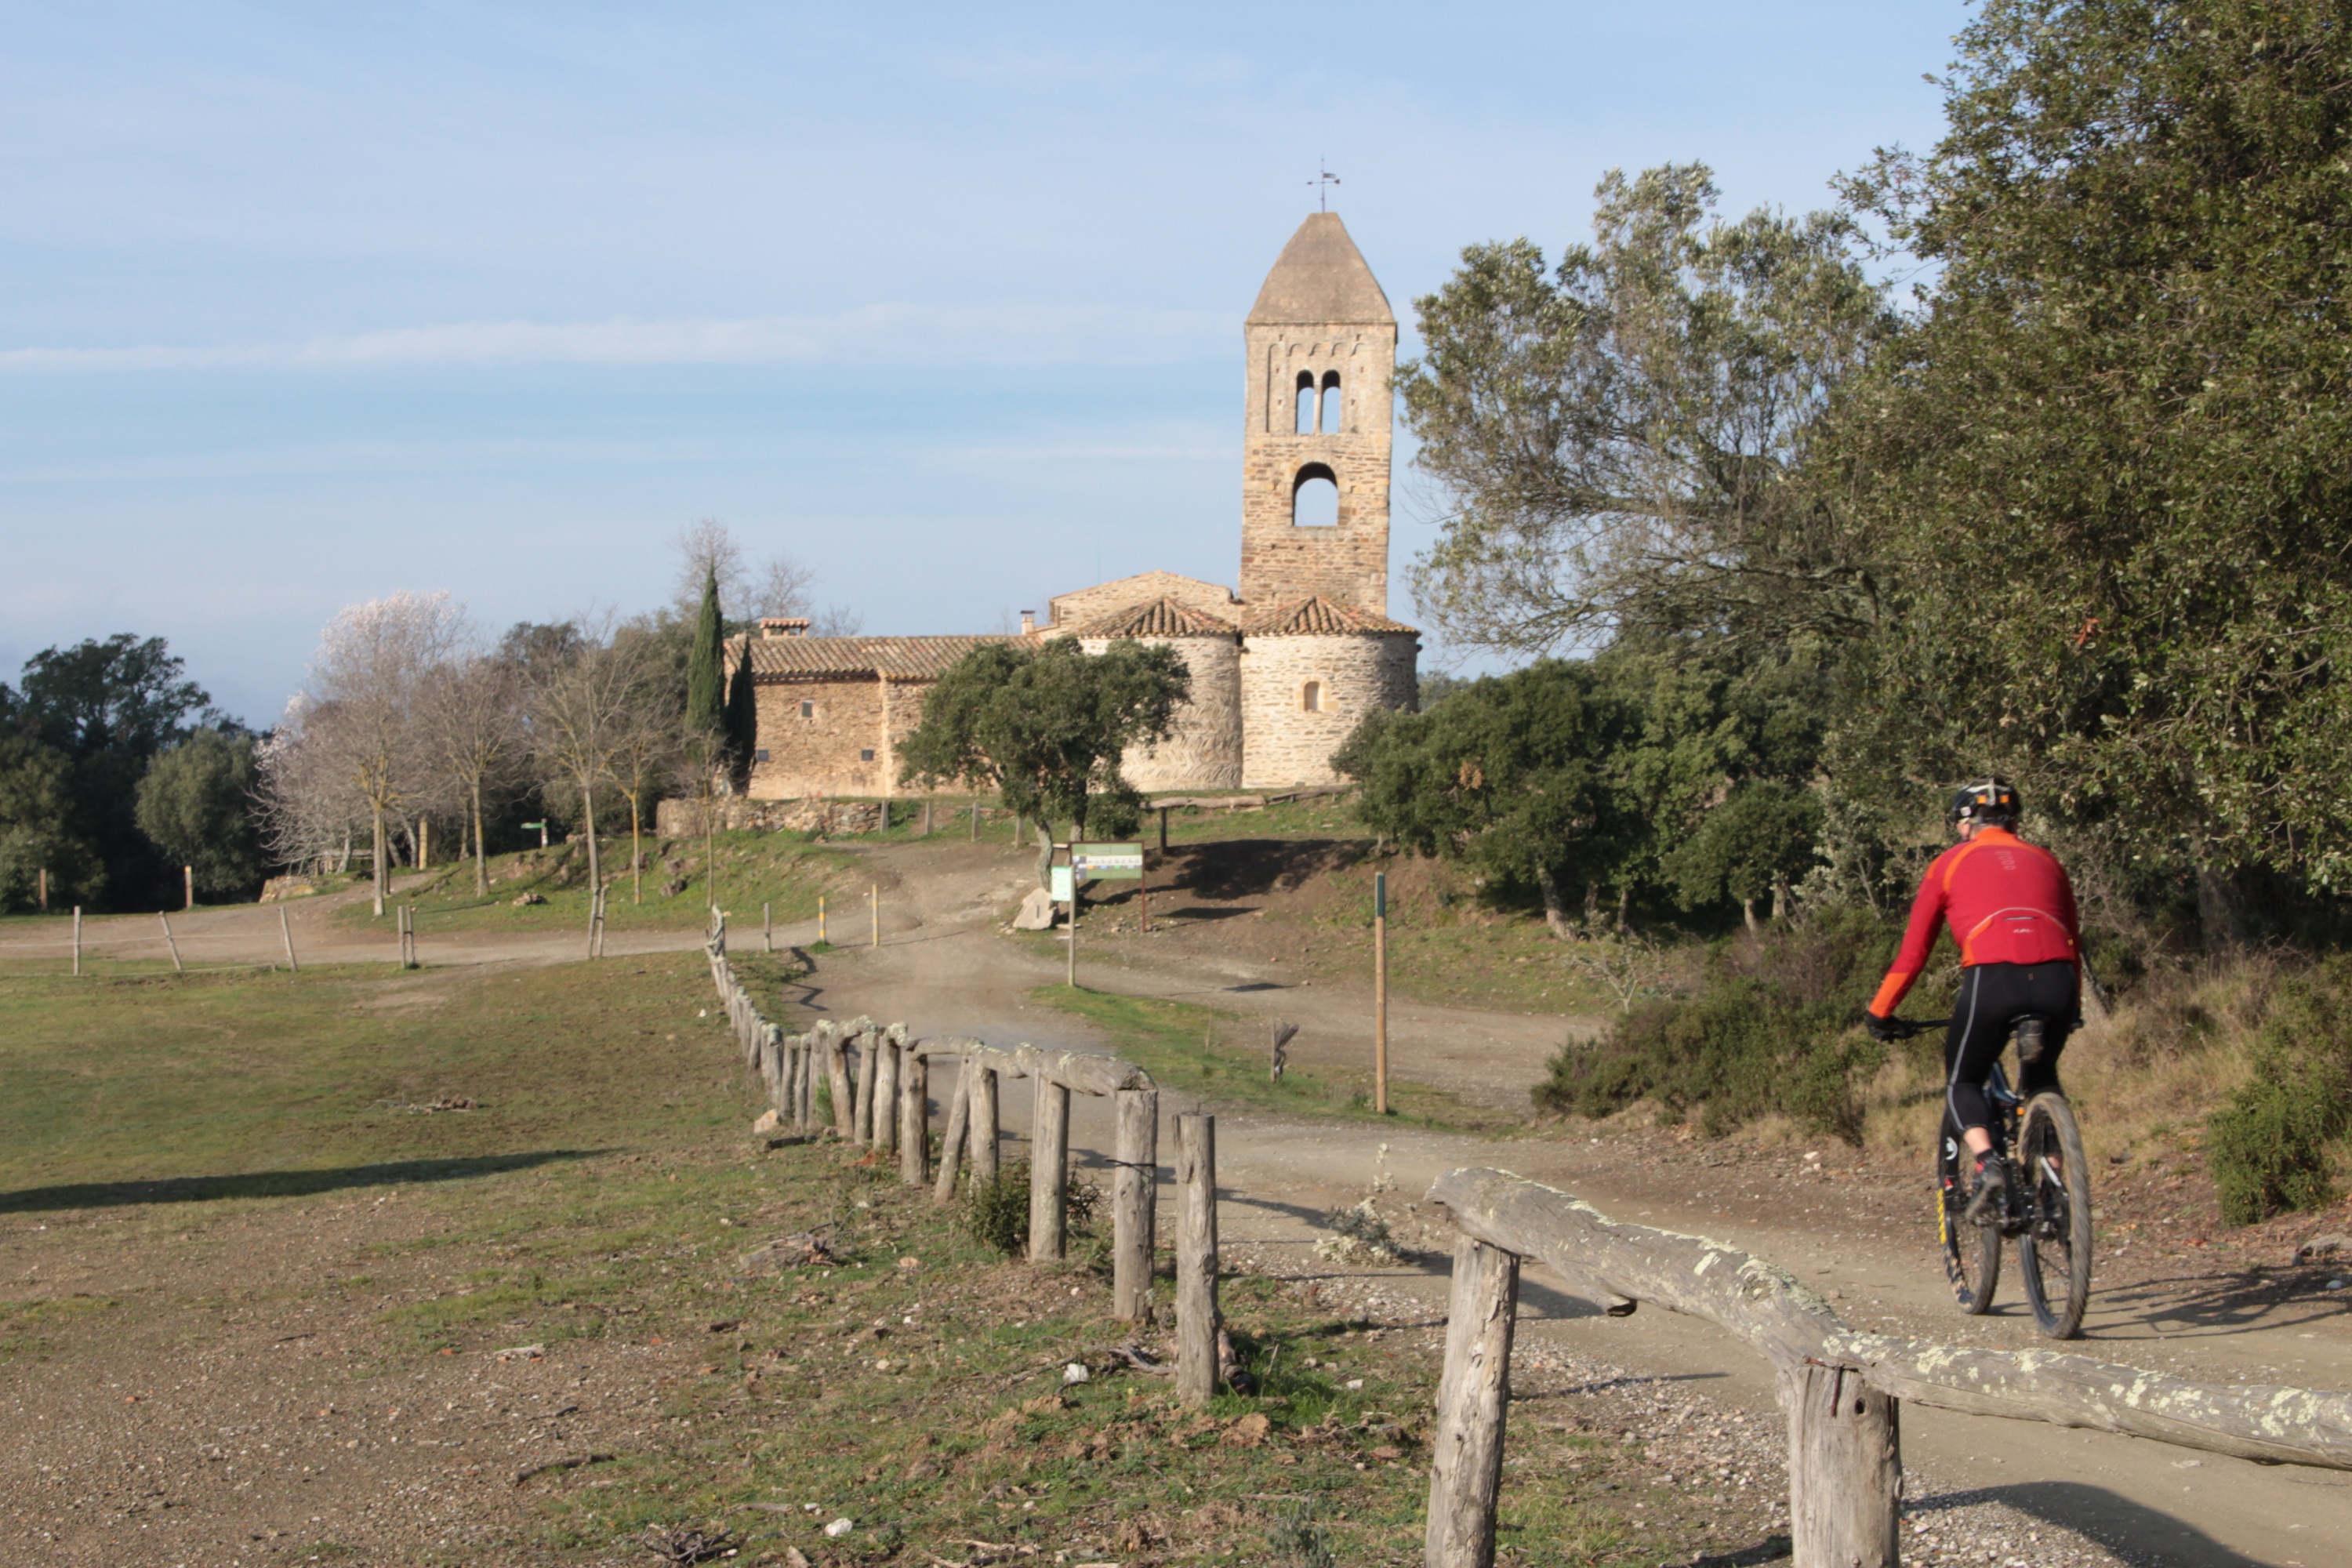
1381	992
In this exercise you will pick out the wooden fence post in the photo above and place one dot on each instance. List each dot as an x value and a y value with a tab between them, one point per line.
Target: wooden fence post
952	1141
1845	1469
845	1101
987	1124
1466	1472
914	1117
1196	1258
804	1107
169	942
1049	1170
861	1130
883	1133
1134	1204
285	930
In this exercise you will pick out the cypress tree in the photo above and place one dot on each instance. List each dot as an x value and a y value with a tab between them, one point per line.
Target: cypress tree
742	715
705	667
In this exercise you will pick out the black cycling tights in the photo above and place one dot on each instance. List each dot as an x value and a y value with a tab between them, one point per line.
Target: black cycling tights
1992	996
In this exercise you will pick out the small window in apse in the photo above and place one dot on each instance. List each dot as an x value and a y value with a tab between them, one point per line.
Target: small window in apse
1310	697
808	710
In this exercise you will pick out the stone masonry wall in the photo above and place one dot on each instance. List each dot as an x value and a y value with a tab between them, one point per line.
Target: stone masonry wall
820	755
1281	562
1084	604
1283	743
1205	752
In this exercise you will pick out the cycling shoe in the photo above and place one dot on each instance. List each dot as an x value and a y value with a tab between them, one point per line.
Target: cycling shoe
1987	1198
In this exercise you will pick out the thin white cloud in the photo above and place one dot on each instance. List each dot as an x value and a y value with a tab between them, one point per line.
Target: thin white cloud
888	333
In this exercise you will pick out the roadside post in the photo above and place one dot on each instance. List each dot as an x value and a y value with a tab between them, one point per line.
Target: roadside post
1381	992
188	886
285	930
169	942
873	909
819	917
77	939
1062	889
541	826
767	927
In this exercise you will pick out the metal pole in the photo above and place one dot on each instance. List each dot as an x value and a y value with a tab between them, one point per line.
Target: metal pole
1381	992
285	930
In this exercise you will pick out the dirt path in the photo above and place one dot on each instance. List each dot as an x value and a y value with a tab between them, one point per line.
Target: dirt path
1860	1234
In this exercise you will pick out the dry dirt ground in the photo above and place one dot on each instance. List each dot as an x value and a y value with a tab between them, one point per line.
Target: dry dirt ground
250	1384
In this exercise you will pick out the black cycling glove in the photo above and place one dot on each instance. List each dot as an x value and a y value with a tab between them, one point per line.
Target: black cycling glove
1880	1028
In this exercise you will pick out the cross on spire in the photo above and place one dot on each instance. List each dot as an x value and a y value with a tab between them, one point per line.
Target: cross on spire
1323	181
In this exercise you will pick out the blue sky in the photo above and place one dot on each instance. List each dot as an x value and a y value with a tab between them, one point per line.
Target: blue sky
299	305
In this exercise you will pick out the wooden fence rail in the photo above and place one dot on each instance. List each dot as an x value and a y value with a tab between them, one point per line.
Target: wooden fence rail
878	1083
1842	1389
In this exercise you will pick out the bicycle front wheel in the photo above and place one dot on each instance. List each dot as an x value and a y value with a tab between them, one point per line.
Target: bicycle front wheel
1971	1252
2056	1246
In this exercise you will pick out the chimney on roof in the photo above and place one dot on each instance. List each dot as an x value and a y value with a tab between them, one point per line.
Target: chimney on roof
1028	623
783	626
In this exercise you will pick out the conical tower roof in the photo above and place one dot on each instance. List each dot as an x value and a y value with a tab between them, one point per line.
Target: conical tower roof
1321	277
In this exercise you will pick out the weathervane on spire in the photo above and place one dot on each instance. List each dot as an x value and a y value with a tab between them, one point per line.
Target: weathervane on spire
1323	181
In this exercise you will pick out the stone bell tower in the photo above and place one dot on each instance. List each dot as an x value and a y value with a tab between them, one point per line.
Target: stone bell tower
1322	349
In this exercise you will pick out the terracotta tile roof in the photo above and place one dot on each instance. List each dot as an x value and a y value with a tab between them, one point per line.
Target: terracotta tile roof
1316	617
1162	617
914	658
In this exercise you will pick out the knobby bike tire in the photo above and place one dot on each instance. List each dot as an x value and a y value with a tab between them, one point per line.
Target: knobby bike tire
1971	1252
2055	1249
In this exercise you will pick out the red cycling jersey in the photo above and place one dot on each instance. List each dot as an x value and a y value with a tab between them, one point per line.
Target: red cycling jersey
2009	902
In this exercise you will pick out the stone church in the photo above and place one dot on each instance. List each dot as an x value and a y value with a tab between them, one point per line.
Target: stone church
1282	669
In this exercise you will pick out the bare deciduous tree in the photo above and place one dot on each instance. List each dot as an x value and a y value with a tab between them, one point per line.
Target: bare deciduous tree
782	585
473	739
652	740
581	712
365	693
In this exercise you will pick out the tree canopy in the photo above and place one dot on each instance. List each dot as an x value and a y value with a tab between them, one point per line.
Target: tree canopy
1047	725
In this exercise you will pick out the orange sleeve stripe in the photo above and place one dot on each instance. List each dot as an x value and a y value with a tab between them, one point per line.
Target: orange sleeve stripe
1891	990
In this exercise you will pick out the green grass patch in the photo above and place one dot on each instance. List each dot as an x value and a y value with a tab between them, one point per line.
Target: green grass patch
1203	1051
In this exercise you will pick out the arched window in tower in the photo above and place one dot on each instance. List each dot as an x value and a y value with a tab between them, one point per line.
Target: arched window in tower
1331	404
1310	697
1315	498
1303	424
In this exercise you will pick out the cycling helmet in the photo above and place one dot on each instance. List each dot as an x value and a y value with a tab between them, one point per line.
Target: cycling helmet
1989	802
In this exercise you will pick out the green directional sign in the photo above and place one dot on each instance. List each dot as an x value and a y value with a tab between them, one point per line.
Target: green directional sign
1108	862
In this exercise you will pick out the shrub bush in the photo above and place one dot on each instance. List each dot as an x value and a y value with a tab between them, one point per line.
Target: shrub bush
1773	1028
995	1212
2269	1146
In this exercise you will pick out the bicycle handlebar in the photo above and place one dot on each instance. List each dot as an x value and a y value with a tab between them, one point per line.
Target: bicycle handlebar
1905	1028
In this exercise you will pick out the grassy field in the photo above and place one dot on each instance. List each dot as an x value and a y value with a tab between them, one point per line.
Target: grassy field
786	871
568	1146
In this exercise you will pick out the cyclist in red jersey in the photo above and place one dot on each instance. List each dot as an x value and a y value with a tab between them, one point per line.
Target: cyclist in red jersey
2012	911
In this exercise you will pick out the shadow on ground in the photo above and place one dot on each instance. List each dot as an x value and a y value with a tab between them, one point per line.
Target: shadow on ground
276	1183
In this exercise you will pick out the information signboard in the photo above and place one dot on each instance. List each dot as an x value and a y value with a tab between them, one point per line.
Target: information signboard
1059	884
1108	862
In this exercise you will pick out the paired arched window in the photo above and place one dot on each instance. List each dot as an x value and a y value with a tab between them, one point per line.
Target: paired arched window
1317	406
1315	498
1310	697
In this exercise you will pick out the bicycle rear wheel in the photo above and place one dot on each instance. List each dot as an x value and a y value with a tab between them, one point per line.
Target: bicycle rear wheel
1971	1252
2056	1246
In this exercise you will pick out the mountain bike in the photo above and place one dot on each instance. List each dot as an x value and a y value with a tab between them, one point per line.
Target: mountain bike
2047	1205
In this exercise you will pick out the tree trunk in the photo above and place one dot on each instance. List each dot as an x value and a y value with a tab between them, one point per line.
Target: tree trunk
1044	853
1747	913
1592	908
1555	911
1780	898
2216	910
1625	902
637	855
481	862
588	820
377	867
